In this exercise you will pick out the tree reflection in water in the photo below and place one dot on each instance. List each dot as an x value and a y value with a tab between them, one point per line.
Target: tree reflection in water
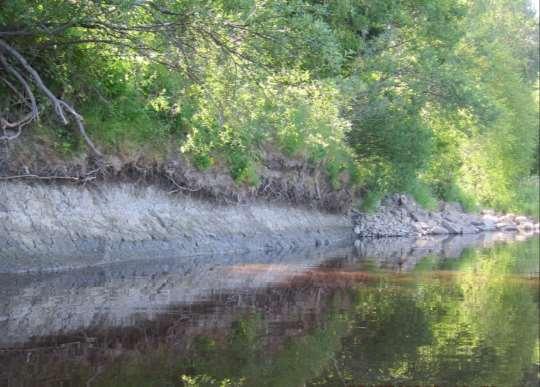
471	321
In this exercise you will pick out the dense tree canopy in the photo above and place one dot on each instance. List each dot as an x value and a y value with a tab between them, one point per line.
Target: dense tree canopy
438	98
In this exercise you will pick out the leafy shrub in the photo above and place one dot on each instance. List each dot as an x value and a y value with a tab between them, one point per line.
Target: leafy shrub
371	201
428	97
421	192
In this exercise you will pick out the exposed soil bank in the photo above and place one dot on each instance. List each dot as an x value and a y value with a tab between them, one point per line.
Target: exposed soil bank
281	179
52	227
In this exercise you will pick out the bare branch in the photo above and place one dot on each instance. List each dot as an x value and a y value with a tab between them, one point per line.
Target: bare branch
38	177
60	106
29	117
180	187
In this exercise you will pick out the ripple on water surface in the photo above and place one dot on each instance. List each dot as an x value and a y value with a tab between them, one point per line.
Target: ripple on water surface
446	312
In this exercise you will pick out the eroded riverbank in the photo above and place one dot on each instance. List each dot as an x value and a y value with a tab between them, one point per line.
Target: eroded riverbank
55	227
58	227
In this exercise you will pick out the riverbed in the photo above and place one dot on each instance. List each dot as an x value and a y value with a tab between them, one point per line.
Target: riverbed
445	311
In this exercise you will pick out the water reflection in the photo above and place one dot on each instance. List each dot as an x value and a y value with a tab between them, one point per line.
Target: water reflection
347	320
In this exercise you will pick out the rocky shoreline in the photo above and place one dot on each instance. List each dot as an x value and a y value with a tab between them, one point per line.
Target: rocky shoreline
399	216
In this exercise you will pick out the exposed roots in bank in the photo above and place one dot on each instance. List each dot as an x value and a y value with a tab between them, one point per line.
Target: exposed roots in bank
280	180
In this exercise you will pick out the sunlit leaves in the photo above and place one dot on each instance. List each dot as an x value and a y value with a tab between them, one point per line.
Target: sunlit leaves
424	96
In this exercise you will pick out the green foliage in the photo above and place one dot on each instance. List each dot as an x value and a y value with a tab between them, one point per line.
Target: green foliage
205	380
477	327
202	161
389	136
527	197
455	194
371	201
422	193
435	98
242	169
302	120
440	113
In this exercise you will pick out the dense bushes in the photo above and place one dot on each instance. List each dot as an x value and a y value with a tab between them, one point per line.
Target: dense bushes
432	97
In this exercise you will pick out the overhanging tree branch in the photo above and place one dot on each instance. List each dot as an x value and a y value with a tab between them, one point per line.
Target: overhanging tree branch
61	107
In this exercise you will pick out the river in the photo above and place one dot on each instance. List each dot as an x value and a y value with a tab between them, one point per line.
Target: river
453	311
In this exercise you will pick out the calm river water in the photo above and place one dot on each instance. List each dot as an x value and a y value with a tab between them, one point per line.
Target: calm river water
390	312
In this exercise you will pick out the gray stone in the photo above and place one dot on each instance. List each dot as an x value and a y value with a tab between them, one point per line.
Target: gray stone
506	226
487	226
521	219
451	227
508	218
469	229
400	215
421	226
509	227
438	230
525	226
478	223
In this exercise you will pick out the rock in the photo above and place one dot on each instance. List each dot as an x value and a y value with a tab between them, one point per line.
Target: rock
452	207
509	218
408	204
487	226
415	217
400	215
510	229
451	227
526	227
507	227
490	218
438	230
421	226
63	226
452	218
521	219
419	215
469	229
